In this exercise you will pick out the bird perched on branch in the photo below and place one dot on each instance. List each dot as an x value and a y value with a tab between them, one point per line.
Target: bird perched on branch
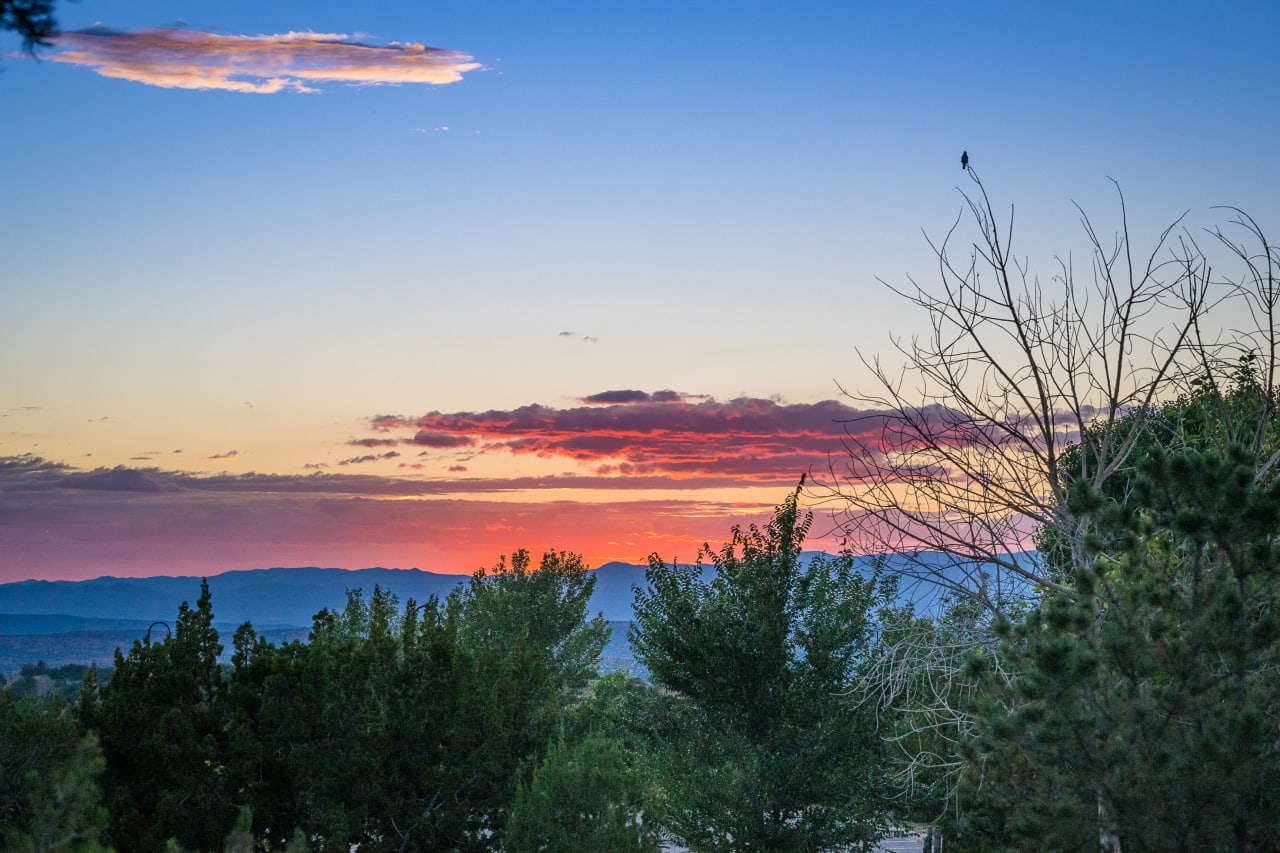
964	160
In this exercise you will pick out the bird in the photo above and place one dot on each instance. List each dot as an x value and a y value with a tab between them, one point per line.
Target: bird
964	160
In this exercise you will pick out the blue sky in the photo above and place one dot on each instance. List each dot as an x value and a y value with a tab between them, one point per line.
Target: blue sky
703	195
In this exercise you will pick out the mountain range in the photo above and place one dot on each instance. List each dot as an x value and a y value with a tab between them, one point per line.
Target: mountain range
266	597
63	622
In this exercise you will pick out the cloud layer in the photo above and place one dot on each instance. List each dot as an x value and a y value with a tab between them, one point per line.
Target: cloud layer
263	64
666	434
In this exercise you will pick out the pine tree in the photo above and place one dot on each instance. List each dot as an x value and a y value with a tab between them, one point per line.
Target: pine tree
49	795
161	722
1147	696
773	753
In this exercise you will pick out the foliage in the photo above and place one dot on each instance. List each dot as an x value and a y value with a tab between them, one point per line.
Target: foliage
545	607
1149	693
586	795
31	19
1027	394
761	659
597	788
161	722
49	798
530	648
389	698
66	672
389	729
60	685
1237	411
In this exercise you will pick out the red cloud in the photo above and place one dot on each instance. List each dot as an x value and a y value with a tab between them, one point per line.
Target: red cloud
631	433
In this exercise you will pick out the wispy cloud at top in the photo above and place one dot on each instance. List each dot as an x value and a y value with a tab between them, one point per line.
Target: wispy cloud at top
263	64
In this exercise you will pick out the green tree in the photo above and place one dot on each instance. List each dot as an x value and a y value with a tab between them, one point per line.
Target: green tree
968	441
544	607
774	754
413	729
349	739
586	795
49	796
389	729
530	647
1149	693
596	789
161	722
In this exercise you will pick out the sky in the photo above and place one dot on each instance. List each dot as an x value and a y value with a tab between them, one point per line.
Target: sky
415	285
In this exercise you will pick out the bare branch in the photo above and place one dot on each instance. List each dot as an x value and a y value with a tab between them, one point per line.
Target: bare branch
965	467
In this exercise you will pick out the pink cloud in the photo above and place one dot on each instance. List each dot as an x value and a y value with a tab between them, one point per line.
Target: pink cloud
629	433
262	64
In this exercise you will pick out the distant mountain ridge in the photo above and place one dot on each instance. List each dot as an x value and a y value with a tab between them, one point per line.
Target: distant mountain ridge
84	621
279	597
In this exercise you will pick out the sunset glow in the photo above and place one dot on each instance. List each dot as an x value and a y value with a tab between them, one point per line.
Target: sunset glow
416	285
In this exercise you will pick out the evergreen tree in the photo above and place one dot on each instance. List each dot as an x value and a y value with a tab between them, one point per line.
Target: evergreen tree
49	796
1147	695
388	730
544	607
529	648
161	723
774	755
584	796
410	730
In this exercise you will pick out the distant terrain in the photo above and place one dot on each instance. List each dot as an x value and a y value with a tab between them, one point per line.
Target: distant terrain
83	622
65	622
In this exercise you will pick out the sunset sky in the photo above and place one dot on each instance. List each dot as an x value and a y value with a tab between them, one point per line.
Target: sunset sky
414	284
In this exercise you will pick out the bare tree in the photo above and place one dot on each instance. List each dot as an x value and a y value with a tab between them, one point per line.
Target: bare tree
964	464
919	684
1255	346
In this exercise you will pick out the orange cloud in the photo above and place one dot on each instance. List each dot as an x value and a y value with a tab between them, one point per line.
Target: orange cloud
263	64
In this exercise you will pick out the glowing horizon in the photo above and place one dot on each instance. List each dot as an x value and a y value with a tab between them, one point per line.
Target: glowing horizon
664	472
414	285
